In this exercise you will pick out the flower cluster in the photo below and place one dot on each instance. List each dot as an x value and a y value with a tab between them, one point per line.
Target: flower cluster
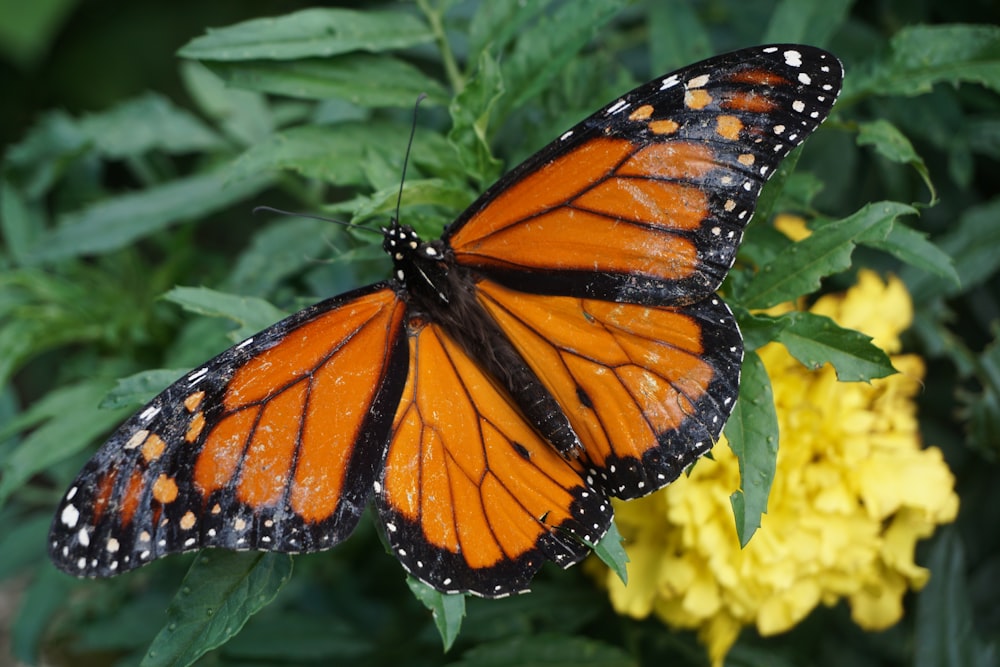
853	492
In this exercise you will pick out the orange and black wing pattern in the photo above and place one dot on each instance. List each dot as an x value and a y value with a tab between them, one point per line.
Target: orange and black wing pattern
472	498
562	343
646	200
275	444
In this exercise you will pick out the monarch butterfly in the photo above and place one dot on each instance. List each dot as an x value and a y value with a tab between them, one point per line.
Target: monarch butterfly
560	344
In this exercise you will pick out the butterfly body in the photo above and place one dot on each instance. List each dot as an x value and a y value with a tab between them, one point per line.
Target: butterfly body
560	344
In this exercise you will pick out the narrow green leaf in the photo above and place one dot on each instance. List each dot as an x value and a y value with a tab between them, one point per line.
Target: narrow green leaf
310	33
46	595
893	145
115	222
752	433
944	632
252	314
547	650
138	389
981	409
971	243
543	50
220	592
498	22
146	123
806	21
471	117
924	55
799	269
22	543
447	609
63	434
681	36
244	115
363	79
20	222
914	248
611	551
816	340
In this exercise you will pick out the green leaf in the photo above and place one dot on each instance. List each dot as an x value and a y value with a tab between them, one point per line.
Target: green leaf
497	23
611	551
471	117
146	123
923	56
68	421
138	389
220	592
971	244
758	329
816	340
447	609
22	543
806	21
243	115
944	634
363	79
981	409
893	145
310	33
798	269
547	650
914	248
752	433
21	222
681	36
45	597
544	49
112	223
297	637
251	313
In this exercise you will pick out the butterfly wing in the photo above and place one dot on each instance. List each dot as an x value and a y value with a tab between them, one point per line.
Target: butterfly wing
472	498
646	388
275	444
645	201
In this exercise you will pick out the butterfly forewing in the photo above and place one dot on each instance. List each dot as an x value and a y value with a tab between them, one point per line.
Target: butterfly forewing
275	444
646	200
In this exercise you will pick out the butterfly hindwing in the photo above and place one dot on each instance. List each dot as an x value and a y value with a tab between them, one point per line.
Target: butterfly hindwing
647	388
471	497
275	444
645	201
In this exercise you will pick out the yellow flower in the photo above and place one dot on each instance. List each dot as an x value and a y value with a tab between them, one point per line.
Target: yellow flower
852	494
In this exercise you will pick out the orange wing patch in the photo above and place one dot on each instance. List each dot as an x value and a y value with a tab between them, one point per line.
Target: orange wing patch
609	205
473	499
634	380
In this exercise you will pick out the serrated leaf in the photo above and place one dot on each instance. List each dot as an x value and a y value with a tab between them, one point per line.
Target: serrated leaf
547	650
139	388
757	329
611	551
815	340
244	115
914	248
310	33
117	221
893	145
798	269
924	55
251	313
363	79
752	434
447	609
219	593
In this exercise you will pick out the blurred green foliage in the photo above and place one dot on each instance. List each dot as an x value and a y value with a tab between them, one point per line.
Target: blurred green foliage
128	245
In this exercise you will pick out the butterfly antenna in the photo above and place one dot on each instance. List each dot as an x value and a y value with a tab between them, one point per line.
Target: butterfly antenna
271	209
406	158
